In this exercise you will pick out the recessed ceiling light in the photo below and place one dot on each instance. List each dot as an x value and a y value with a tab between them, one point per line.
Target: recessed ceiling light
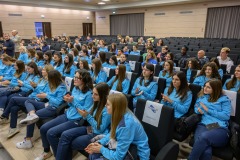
105	0
101	3
114	12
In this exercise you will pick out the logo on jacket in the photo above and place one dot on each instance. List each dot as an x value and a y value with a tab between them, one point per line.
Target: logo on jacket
153	109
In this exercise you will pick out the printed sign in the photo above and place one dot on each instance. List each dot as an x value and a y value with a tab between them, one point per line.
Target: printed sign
232	95
68	82
132	65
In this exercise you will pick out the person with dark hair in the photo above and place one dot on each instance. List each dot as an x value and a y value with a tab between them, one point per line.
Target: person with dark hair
9	70
102	56
99	122
31	55
84	56
123	60
39	59
178	95
64	51
83	64
75	54
182	57
192	63
215	60
125	130
44	47
208	71
233	84
212	130
135	50
94	52
169	56
58	62
79	98
8	45
167	72
144	87
102	47
68	69
119	82
113	48
163	53
160	42
48	58
112	62
97	74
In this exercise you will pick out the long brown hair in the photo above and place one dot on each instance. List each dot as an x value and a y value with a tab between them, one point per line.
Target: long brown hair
9	59
119	108
67	66
54	79
195	64
86	79
98	66
21	68
183	89
85	64
233	81
49	54
103	91
170	62
120	77
215	73
216	85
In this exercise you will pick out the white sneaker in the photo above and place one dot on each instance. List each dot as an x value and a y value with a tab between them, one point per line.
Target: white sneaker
12	132
44	155
30	119
25	144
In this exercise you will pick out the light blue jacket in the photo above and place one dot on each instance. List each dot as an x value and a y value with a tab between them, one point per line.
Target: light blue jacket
111	66
167	77
189	73
129	131
105	64
125	84
151	61
105	123
180	107
128	68
14	80
42	87
9	73
86	58
200	80
81	100
220	71
59	68
75	59
71	73
55	98
23	57
26	83
101	77
235	88
218	111
135	53
149	92
102	49
40	63
2	66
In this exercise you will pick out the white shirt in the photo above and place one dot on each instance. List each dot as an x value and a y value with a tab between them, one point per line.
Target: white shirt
227	61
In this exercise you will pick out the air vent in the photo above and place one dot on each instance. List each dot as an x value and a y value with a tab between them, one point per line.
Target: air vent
159	14
14	14
186	12
102	17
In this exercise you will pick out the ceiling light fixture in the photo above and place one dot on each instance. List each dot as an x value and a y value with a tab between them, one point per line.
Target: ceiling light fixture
114	12
101	3
105	0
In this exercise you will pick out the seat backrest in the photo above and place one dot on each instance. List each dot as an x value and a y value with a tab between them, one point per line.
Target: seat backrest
195	90
161	87
158	68
109	54
232	71
223	67
132	81
133	58
225	77
163	133
193	75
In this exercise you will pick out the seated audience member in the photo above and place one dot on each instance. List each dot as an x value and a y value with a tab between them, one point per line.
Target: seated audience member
102	47
113	48
131	42
97	74
31	56
192	63
102	56
135	50
9	70
84	56
144	86
120	52
39	59
44	47
167	72
75	53
23	56
233	84
80	98
125	130
77	42
224	59
208	71
220	71
122	41
119	82
163	53
141	41
160	42
64	52
123	60
169	56
94	52
148	43
58	65
99	122
215	109
89	39
178	95
149	49
83	64
151	58
182	57
125	50
68	69
202	59
48	58
69	48
112	62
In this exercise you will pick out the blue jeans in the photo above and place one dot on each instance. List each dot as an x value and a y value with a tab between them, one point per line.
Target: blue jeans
6	96
95	156
34	105
206	139
73	139
43	113
52	130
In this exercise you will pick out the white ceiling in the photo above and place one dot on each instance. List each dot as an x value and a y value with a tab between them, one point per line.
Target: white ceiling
93	4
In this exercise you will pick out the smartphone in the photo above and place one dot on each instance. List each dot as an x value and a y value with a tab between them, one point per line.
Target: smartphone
212	126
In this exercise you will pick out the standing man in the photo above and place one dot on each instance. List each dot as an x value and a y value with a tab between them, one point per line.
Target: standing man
8	45
16	40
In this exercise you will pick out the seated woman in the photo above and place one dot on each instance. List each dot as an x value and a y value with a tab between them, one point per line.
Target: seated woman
102	56
144	87
208	71
83	64
163	53
9	70
68	69
17	103
99	120
123	60
58	65
113	48
119	82
167	72
31	55
135	50
192	63
150	58
169	56
23	86
178	95
233	84
75	54
64	50
80	98
97	74
23	56
39	59
94	52
160	42
48	58
215	60
212	131
112	62
125	130
84	56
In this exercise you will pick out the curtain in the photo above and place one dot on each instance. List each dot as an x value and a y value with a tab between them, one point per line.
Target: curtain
223	22
127	24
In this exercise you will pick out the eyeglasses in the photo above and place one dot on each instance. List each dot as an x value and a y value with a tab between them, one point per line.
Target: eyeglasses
78	78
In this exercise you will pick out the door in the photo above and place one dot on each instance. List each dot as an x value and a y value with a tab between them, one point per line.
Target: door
87	29
1	30
47	31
